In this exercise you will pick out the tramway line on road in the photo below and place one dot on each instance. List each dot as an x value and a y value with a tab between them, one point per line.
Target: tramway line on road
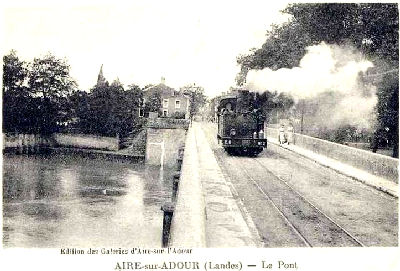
309	222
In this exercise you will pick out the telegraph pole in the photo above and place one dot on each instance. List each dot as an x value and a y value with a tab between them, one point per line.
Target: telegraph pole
302	116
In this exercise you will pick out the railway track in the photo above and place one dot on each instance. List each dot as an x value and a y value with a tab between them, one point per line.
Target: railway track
312	205
313	227
327	209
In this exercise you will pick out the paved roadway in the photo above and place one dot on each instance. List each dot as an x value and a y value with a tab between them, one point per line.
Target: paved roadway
293	201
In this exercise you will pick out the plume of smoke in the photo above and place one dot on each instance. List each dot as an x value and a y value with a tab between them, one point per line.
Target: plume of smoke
329	75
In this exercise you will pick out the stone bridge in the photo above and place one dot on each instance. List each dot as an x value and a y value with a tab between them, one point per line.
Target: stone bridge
212	209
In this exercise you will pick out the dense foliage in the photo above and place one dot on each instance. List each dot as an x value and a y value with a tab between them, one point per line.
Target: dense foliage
196	96
107	110
372	28
388	112
35	95
270	101
41	97
153	104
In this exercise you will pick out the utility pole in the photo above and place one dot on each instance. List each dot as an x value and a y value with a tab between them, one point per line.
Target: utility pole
302	117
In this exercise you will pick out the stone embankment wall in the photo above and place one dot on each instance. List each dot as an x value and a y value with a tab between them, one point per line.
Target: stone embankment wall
86	141
162	146
30	143
25	143
164	137
377	164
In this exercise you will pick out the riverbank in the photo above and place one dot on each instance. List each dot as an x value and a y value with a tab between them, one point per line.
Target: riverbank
84	145
92	153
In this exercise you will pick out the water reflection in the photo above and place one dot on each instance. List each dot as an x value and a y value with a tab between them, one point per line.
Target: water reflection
54	201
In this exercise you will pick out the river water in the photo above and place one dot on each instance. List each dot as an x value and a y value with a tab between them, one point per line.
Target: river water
67	200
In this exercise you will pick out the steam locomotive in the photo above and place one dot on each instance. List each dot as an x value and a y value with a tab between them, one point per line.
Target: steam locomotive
241	123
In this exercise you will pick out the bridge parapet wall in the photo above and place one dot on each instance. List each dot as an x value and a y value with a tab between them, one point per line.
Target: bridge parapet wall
377	164
188	228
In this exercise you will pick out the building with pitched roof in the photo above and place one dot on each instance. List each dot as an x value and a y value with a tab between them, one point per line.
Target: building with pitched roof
174	104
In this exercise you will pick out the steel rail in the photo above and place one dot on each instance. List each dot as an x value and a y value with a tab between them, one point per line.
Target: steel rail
290	224
310	203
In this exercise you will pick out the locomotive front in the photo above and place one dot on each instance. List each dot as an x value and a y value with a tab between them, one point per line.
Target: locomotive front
241	124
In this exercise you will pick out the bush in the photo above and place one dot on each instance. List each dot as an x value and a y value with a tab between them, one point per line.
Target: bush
178	115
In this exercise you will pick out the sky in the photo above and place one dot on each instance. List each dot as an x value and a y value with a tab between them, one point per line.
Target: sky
141	41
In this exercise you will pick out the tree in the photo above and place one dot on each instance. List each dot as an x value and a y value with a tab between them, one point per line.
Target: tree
134	97
196	97
387	111
270	102
153	104
17	101
79	114
284	48
49	78
50	83
103	104
111	109
133	101
14	73
371	28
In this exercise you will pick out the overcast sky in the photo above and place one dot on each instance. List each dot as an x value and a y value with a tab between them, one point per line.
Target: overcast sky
140	41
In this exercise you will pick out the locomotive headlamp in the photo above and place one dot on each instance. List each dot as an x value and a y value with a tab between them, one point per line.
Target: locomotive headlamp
233	132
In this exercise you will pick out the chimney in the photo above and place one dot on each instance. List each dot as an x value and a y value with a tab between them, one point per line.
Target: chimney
163	80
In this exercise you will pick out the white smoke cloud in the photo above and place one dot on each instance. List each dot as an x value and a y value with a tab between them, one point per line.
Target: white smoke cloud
354	110
324	69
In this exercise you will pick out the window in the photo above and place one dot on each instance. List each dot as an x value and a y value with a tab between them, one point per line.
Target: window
177	104
141	112
165	113
165	103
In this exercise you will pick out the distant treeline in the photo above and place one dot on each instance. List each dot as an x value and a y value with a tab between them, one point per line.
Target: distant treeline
41	97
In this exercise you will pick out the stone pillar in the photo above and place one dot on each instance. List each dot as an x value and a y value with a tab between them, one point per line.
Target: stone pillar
168	209
175	185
